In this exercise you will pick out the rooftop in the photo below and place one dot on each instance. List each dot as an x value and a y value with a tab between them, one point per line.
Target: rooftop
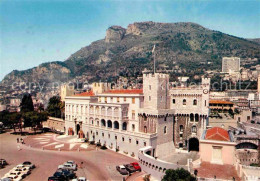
208	170
220	102
124	91
86	94
217	133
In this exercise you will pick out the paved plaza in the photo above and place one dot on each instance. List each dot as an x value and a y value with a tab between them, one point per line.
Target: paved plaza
97	164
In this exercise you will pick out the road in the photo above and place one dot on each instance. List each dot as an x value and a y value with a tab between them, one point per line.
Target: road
97	165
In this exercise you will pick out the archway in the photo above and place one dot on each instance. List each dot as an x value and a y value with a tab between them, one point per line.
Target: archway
193	144
77	129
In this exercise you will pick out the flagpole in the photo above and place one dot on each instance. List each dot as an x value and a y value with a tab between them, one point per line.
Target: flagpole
153	59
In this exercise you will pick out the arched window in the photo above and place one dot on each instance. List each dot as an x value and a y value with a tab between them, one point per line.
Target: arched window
124	127
116	125
116	112
109	124
97	110
109	111
103	122
103	111
196	117
91	110
184	102
145	129
165	130
195	102
181	128
191	117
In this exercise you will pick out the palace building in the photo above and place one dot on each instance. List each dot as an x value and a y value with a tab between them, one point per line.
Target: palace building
160	116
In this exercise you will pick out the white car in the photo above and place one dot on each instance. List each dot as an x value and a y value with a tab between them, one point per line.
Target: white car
21	166
12	175
24	171
68	166
80	179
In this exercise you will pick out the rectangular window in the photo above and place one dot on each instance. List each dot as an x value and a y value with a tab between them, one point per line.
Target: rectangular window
102	134
117	99
133	100
116	137
150	87
123	139
173	101
149	98
133	114
137	142
130	140
144	143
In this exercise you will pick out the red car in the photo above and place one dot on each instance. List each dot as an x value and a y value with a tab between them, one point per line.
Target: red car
136	166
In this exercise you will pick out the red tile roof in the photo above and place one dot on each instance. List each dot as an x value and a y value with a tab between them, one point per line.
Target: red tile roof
220	102
218	134
86	94
209	170
125	91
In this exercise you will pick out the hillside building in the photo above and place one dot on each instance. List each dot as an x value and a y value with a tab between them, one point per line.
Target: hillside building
230	64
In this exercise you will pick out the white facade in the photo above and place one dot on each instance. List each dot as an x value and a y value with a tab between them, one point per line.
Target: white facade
127	120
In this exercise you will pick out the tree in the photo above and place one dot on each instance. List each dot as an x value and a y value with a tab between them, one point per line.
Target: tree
34	119
179	174
27	103
15	119
55	107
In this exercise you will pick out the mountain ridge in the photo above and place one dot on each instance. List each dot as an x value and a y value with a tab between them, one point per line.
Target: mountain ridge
127	51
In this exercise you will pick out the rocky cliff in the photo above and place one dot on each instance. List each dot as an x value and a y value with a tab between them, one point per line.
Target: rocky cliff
128	51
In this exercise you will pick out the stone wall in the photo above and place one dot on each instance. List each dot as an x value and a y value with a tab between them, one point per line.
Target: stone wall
55	124
153	166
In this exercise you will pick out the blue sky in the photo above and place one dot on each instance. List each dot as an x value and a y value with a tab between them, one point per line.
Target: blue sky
37	31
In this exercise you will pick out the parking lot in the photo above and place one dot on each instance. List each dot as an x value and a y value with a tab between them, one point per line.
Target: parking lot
97	164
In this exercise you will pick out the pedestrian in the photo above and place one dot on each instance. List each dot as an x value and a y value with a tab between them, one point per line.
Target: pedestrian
17	140
21	139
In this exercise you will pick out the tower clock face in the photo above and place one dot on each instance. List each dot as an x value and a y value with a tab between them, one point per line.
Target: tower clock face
205	91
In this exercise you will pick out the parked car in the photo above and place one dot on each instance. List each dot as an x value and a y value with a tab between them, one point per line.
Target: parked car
71	162
12	175
122	170
3	162
21	166
130	168
67	173
136	166
52	178
26	171
29	164
80	179
5	179
60	176
68	166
